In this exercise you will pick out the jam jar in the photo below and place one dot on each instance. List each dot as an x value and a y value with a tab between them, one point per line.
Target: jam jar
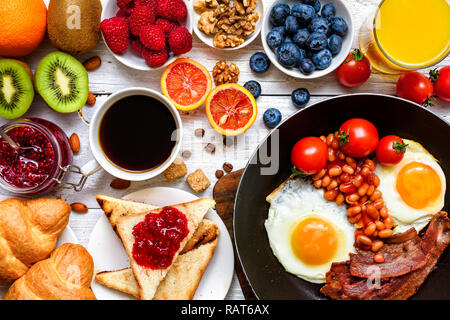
42	165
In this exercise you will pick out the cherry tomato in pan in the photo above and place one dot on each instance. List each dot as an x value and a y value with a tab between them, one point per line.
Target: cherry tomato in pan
358	137
309	155
355	70
441	80
416	87
390	150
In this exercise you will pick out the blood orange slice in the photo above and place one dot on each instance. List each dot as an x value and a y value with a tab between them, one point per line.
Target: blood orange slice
186	83
231	109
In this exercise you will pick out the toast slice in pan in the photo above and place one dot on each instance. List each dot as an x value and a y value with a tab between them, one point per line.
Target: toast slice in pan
149	279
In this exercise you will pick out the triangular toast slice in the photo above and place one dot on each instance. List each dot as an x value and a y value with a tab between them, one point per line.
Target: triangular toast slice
181	281
148	280
116	208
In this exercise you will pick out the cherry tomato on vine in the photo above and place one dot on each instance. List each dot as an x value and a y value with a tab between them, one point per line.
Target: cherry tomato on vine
416	87
441	80
355	70
390	150
309	155
358	137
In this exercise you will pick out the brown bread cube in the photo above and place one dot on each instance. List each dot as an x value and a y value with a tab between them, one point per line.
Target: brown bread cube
198	181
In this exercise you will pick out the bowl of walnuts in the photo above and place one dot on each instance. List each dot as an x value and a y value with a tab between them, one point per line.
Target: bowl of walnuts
227	24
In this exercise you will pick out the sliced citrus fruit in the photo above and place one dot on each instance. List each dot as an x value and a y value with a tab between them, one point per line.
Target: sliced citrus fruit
186	83
231	109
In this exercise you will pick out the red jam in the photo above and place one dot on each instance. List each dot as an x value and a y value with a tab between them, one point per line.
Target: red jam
30	168
158	238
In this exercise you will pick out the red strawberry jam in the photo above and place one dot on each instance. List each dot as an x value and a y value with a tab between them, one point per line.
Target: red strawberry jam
158	238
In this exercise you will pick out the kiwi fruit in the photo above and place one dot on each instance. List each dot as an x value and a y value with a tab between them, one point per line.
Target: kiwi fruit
74	25
16	88
62	82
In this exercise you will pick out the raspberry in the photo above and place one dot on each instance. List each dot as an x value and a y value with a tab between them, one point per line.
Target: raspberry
115	31
180	40
123	3
174	10
155	58
153	37
166	25
141	16
149	3
123	12
137	46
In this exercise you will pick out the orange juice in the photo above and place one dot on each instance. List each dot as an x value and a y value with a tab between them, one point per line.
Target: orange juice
407	34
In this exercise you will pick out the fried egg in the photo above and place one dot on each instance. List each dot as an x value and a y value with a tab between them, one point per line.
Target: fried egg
414	189
306	232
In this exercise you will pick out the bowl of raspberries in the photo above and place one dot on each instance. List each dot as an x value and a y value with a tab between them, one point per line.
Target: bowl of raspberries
147	34
308	38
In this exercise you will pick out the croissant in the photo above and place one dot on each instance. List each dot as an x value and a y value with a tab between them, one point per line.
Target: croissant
28	233
66	275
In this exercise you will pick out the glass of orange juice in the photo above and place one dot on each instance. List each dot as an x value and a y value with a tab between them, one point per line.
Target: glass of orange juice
406	34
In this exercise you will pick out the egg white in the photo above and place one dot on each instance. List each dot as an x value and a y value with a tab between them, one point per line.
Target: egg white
403	215
292	202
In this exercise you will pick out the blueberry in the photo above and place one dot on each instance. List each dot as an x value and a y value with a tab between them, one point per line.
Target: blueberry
259	62
310	2
274	39
339	26
292	25
317	6
306	66
272	117
335	44
328	11
279	13
322	59
289	54
280	29
319	25
300	97
317	41
300	37
303	12
254	87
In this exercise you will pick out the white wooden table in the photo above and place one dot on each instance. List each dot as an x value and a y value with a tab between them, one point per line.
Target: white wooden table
276	90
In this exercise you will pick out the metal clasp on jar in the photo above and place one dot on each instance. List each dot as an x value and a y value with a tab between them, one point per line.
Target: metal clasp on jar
87	170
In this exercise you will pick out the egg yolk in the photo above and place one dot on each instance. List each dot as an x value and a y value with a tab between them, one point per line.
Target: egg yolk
418	185
314	241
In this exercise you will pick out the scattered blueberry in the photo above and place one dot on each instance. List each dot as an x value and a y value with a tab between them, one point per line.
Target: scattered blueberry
339	26
279	13
306	66
254	87
272	117
292	25
289	55
322	59
259	62
303	12
319	25
317	6
317	41
328	11
280	29
335	44
274	39
300	37
300	97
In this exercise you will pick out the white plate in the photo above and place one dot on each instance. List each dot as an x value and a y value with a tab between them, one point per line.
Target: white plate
208	39
341	11
129	57
109	254
67	236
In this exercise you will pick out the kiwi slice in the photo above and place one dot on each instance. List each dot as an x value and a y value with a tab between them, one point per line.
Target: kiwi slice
62	82
16	89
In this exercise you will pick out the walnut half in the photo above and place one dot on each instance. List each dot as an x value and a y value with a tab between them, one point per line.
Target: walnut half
223	73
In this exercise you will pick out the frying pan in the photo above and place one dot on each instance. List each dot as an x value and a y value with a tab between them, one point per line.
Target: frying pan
391	115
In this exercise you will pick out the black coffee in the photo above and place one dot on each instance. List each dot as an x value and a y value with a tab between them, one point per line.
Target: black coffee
136	133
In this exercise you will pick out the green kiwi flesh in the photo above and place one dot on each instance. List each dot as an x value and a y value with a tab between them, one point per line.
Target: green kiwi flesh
16	89
62	81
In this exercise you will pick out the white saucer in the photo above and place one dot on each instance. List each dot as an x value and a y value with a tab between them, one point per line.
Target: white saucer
109	254
67	236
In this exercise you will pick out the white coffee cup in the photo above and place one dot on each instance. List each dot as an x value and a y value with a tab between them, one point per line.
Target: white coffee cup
102	161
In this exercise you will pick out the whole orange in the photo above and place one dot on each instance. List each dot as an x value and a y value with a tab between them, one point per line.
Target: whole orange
22	26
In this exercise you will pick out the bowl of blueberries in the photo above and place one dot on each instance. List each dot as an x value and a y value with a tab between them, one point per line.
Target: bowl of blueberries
307	39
